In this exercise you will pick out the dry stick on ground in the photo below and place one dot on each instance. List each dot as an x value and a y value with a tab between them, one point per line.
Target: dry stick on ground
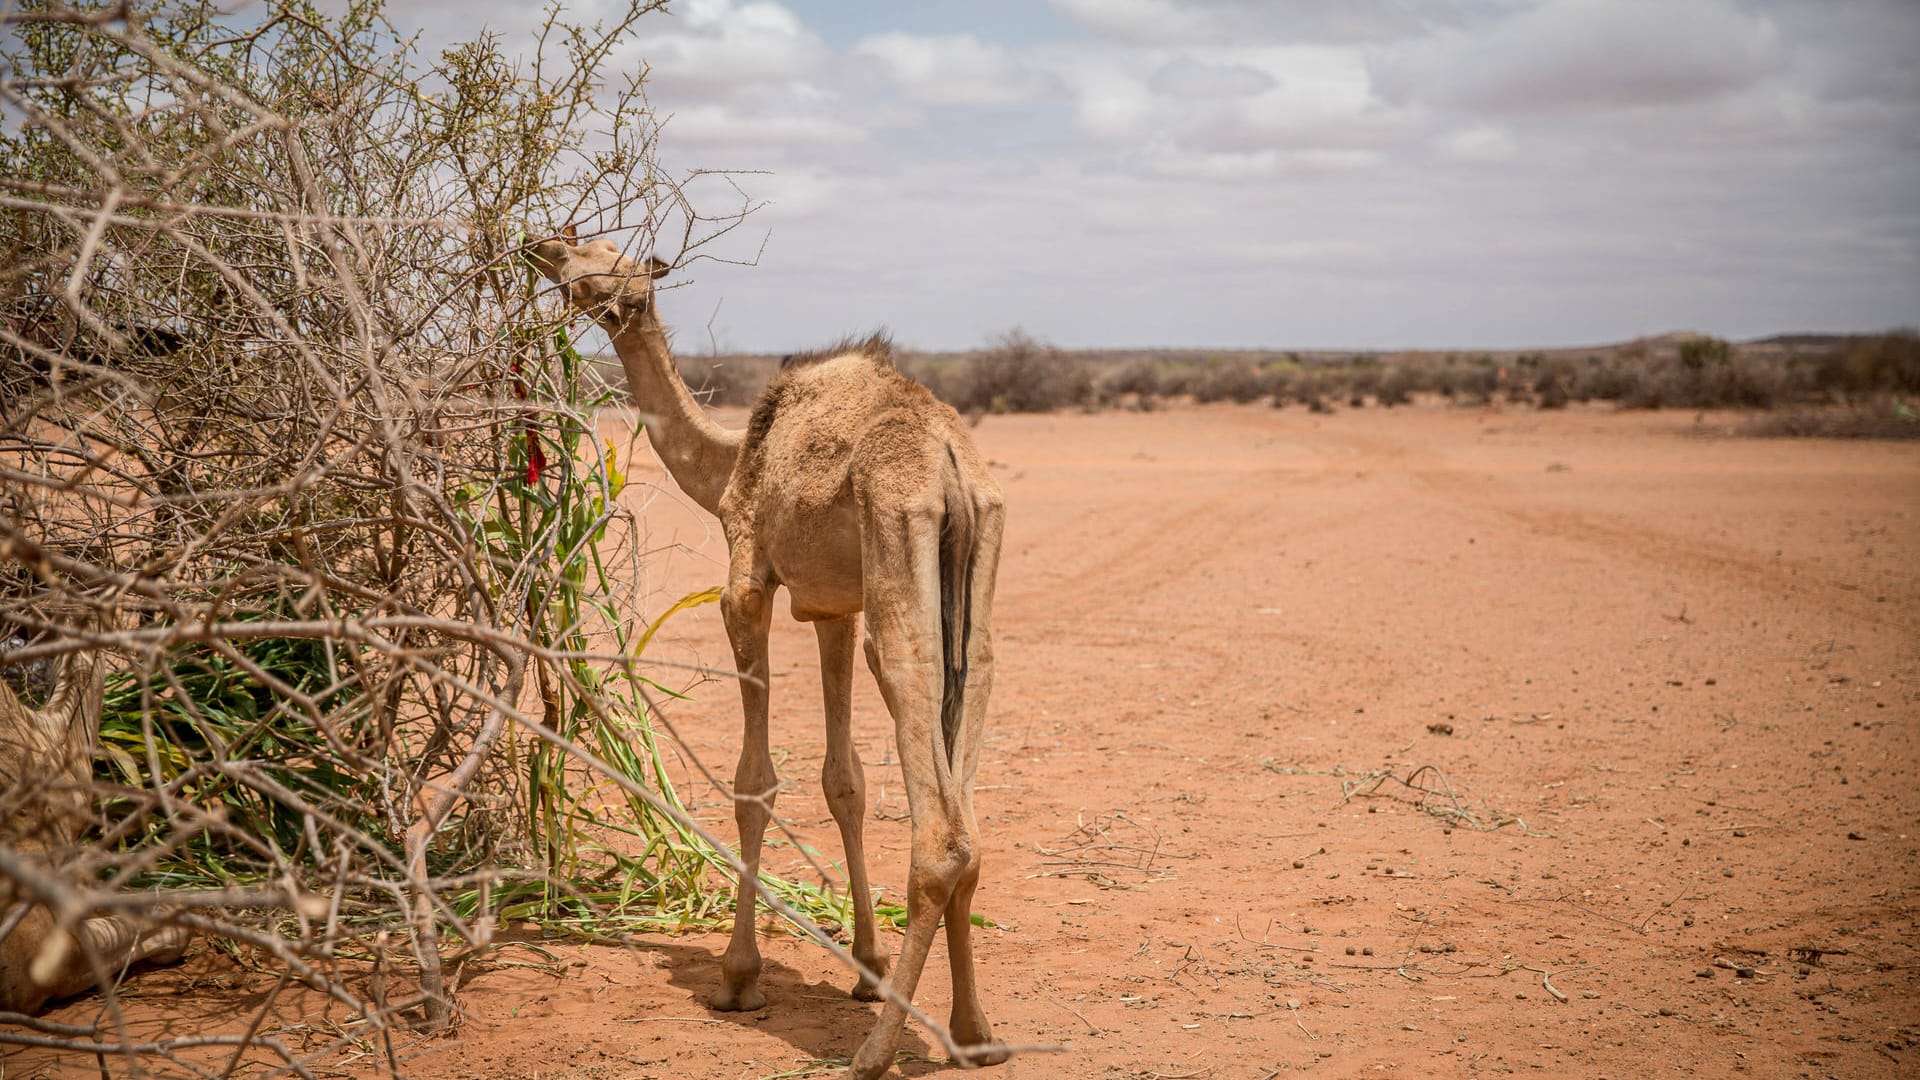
1368	786
1076	854
1264	943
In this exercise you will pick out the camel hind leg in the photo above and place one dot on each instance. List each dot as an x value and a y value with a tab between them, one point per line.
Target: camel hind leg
968	1022
903	650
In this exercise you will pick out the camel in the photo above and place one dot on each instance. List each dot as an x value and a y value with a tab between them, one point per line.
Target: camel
862	495
46	770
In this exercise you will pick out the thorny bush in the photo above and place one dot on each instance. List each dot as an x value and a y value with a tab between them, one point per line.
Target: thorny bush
291	441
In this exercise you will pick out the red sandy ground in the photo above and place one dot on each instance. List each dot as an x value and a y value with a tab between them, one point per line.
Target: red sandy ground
1680	669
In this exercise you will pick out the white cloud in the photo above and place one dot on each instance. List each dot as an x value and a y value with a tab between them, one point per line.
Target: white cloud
1263	164
1186	77
1138	20
1298	172
1110	102
1575	54
1856	50
1481	142
1288	21
731	48
955	69
708	125
1224	100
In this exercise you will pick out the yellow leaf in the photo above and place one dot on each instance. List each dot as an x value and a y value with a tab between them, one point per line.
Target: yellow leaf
691	600
615	478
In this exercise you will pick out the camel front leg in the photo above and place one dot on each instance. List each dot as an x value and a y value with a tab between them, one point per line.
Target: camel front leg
746	607
844	781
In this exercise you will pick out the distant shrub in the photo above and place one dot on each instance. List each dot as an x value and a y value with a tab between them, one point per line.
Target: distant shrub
1551	379
1133	377
1280	379
1698	354
1706	374
1656	388
1229	380
1742	384
1361	380
1601	379
1017	373
726	380
1476	385
1397	386
1887	418
1885	363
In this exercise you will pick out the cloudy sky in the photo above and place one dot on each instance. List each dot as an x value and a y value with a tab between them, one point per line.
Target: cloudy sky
1306	173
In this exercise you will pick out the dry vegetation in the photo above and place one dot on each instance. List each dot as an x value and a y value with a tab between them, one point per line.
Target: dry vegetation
1809	385
290	436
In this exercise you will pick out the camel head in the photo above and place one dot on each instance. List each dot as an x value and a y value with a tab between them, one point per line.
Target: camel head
599	281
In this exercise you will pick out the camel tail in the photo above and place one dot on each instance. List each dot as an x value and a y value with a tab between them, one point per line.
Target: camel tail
956	598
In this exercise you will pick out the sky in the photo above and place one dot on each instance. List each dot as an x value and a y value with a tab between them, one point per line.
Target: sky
1298	174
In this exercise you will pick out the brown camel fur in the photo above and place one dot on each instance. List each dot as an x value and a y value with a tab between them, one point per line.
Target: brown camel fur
46	770
860	493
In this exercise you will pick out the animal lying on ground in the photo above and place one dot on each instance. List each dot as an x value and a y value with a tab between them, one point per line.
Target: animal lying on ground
46	765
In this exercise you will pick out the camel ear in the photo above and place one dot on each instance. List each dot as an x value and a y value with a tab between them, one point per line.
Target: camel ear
657	267
571	235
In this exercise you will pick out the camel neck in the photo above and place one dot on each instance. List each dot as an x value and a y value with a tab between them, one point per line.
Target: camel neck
698	453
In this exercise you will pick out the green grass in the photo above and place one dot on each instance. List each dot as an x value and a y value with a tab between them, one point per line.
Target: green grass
293	762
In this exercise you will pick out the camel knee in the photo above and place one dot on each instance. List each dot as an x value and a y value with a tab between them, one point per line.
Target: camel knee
743	602
969	873
743	611
953	864
753	798
843	782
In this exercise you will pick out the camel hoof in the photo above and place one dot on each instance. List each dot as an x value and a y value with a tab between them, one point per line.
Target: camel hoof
744	999
991	1054
972	1033
866	991
863	1069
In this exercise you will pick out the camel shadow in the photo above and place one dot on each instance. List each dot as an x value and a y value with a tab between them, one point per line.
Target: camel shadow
817	1017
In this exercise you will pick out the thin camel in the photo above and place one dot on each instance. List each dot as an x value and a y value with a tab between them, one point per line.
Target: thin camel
860	493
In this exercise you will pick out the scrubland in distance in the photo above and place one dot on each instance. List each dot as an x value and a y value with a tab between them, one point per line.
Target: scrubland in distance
1831	385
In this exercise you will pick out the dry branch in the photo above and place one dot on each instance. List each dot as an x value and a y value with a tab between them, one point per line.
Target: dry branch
290	440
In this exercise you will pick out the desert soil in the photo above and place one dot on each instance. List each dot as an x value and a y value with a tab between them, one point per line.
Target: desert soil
1654	690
